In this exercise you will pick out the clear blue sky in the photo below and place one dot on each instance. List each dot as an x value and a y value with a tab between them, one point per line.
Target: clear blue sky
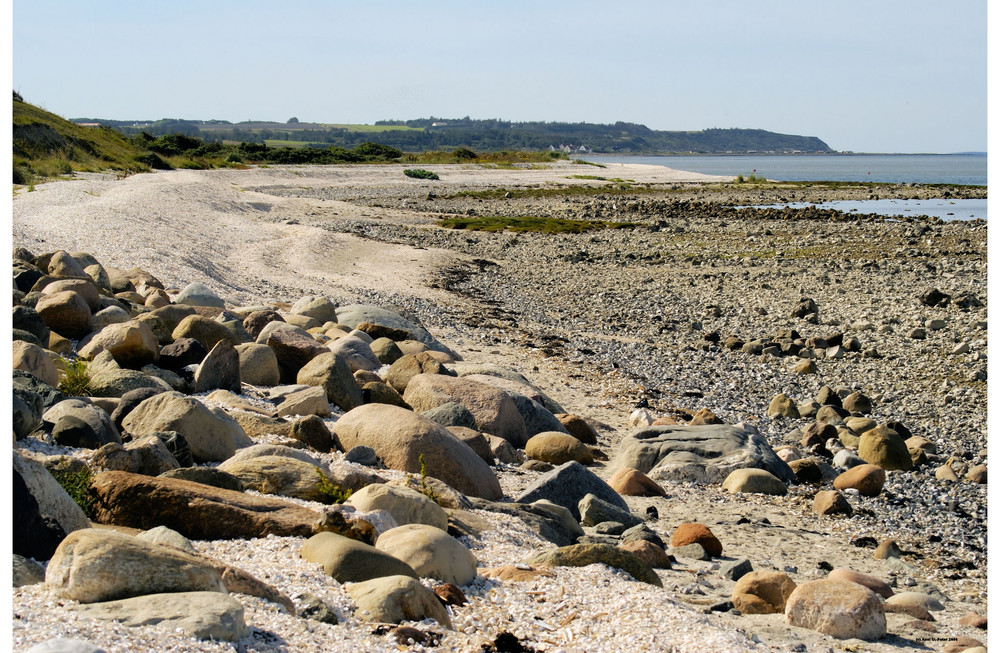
882	76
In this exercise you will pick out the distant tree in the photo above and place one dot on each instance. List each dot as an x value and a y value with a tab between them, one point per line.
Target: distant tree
293	121
17	97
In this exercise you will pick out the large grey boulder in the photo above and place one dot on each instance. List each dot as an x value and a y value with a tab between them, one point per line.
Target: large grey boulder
567	484
94	416
94	565
400	437
703	454
356	352
209	435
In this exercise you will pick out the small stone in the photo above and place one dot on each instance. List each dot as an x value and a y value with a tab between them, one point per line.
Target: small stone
887	549
450	594
831	502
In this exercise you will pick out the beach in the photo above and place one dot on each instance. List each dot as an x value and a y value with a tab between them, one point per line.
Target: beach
606	322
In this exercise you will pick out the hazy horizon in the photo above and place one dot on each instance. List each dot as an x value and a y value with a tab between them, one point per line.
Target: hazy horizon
887	77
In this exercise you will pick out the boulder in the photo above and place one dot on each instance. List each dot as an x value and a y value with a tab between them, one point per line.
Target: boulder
219	369
27	319
406	506
652	554
313	432
66	313
631	482
695	533
567	484
393	599
195	510
884	447
356	352
93	565
317	307
495	412
856	402
349	561
410	365
255	322
198	294
356	314
431	552
866	479
27	572
203	329
549	521
26	409
783	406
401	437
209	436
581	555
476	441
293	350
258	364
386	350
703	454
831	502
181	353
202	615
754	481
762	592
578	427
451	414
841	609
103	429
557	448
206	476
282	476
35	535
331	372
132	344
311	401
33	359
594	511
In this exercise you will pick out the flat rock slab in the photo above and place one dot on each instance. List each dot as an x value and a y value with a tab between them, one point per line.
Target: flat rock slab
197	511
204	615
703	454
581	555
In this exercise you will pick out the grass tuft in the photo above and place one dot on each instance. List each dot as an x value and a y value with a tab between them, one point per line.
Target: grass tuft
76	379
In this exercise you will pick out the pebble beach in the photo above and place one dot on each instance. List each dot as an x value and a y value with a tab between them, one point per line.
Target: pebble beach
681	304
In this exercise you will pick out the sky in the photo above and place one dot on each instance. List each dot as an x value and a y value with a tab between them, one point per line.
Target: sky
886	76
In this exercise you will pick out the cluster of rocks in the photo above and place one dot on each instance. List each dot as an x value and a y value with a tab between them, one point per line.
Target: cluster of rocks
311	402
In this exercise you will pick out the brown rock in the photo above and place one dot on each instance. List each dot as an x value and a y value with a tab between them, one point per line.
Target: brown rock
831	502
977	475
703	417
331	372
293	350
220	369
557	448
772	588
695	533
476	441
205	330
887	549
884	447
651	554
450	594
807	470
578	428
631	482
400	372
66	313
974	620
85	287
33	359
132	344
197	511
866	479
880	587
381	331
910	610
818	433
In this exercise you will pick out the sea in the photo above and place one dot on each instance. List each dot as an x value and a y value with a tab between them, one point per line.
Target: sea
959	169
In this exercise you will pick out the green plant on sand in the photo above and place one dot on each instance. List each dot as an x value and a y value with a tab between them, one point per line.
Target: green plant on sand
418	173
76	481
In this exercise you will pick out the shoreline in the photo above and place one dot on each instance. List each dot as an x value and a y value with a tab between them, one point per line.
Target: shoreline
603	321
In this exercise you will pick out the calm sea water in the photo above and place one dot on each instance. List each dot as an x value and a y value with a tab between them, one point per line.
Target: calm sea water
964	169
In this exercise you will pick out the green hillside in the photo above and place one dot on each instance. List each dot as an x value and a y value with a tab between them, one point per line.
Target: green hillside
46	145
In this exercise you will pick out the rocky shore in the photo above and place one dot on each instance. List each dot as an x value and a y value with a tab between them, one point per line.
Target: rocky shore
843	354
